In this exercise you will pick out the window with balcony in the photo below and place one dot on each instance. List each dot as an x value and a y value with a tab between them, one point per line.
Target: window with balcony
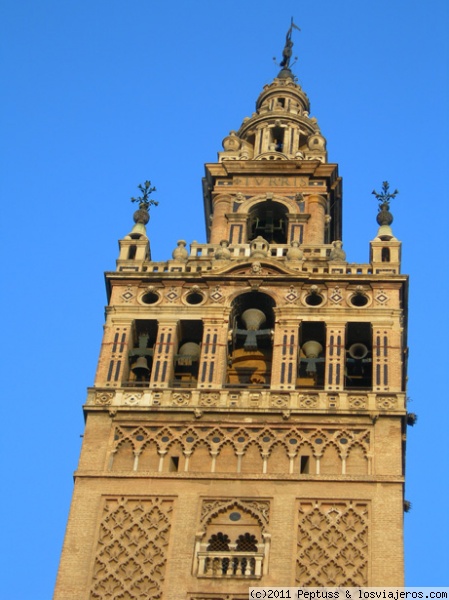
234	543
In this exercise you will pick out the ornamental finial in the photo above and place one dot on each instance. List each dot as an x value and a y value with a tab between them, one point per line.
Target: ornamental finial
145	201
384	197
142	214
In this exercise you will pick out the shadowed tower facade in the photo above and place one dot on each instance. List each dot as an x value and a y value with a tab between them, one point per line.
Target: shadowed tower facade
246	425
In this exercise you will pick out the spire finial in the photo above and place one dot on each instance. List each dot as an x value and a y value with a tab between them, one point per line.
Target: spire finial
145	201
384	216
142	215
287	53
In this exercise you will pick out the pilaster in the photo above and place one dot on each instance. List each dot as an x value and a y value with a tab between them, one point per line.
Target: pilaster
164	354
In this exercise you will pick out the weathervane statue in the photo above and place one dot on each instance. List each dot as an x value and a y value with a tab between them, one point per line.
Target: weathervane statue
287	51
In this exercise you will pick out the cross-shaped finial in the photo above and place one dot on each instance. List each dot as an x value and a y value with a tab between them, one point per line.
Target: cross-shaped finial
144	200
384	197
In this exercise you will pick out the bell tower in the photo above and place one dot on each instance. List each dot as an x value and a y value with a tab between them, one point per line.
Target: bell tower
246	425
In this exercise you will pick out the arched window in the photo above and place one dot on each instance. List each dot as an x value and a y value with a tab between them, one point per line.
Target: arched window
246	543
188	354
218	542
140	355
251	343
234	546
385	255
269	220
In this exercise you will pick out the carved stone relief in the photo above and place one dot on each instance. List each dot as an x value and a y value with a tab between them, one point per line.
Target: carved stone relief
332	544
131	552
104	398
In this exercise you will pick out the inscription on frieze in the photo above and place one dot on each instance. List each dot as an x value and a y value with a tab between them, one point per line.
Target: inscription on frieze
291	182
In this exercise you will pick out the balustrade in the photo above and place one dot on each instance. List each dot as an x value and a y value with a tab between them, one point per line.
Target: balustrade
227	564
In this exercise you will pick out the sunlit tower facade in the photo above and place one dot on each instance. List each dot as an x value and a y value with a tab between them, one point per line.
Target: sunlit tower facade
246	424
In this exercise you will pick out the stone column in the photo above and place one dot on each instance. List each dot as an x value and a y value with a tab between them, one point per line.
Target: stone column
315	230
285	354
334	379
113	365
219	227
212	368
286	143
387	359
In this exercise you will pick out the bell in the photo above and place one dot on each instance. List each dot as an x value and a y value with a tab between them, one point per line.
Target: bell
312	349
188	353
253	319
358	351
140	368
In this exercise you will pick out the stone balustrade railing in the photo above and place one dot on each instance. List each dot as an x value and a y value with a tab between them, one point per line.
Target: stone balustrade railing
229	564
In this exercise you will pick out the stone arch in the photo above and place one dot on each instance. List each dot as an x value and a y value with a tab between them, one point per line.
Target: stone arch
174	460
149	456
356	460
330	463
268	217
252	461
258	510
246	542
226	460
305	460
165	437
248	204
278	460
218	542
200	459
251	348
215	439
123	457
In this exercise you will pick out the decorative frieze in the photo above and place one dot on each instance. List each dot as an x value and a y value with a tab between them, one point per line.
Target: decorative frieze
245	448
223	399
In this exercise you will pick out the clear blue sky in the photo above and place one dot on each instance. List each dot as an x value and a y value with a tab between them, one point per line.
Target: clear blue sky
100	95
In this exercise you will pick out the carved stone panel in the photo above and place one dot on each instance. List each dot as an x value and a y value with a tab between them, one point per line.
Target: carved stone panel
131	553
332	544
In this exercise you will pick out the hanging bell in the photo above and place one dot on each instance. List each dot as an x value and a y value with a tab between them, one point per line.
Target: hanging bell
188	353
312	349
358	351
253	319
140	368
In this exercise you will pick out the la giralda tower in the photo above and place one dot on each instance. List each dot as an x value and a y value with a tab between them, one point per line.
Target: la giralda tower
246	424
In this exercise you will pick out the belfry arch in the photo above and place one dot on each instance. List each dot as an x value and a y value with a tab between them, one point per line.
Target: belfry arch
268	219
250	350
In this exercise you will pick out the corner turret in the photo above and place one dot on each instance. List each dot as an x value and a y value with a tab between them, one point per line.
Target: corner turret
135	247
385	248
